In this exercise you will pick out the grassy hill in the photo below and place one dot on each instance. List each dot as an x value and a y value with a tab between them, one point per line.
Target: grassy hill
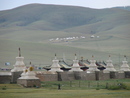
43	53
124	7
56	17
31	26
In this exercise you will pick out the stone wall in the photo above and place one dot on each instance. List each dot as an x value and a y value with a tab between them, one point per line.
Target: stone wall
91	76
102	76
29	82
82	75
47	76
121	75
15	76
113	75
66	76
5	79
127	74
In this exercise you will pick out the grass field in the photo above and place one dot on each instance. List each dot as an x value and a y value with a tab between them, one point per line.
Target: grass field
35	46
69	89
42	53
43	93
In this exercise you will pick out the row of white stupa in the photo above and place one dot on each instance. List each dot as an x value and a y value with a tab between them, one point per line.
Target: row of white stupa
20	66
92	67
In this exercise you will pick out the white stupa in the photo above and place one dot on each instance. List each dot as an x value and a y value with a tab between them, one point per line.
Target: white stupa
23	75
125	66
109	66
19	65
76	66
93	66
55	66
28	73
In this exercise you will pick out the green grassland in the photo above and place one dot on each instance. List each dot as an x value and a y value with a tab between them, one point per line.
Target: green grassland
69	89
31	26
42	93
40	51
43	53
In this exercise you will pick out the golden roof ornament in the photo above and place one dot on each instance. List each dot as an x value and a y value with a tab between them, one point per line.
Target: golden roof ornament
31	68
26	70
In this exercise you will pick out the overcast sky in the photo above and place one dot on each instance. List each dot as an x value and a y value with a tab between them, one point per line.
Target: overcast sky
9	4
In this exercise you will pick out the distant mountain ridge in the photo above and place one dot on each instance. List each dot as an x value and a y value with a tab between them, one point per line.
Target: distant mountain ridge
124	7
57	17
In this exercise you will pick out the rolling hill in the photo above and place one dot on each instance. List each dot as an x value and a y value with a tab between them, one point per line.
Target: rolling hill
31	26
56	17
124	8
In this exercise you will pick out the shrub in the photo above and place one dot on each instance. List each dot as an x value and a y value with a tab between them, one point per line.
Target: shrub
97	88
117	86
4	88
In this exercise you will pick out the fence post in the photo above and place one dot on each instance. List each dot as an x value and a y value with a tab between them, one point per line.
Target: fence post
88	84
70	83
97	84
79	83
59	86
106	85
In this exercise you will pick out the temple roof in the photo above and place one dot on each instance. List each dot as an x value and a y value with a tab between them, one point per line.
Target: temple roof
63	64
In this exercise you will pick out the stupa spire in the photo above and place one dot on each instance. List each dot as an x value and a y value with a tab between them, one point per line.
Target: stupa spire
30	63
92	57
109	57
55	56
19	52
124	57
75	56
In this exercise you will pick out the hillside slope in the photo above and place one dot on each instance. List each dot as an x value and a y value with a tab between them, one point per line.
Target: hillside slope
56	17
31	26
124	7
